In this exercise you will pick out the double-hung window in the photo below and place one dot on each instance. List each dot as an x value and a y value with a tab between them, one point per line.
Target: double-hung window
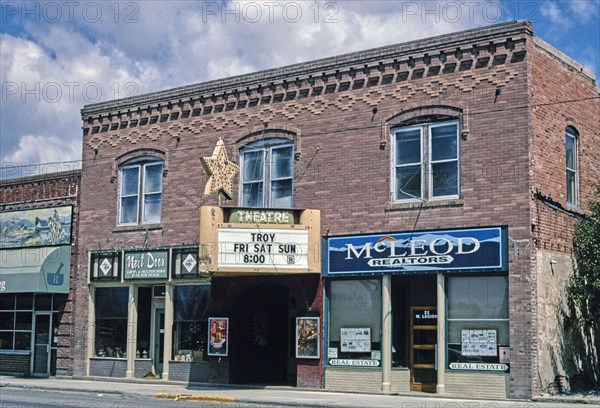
426	162
141	191
267	174
572	182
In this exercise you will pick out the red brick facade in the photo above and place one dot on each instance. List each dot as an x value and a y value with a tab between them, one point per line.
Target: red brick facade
339	111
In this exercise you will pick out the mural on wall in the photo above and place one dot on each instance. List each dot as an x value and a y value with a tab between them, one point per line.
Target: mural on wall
36	228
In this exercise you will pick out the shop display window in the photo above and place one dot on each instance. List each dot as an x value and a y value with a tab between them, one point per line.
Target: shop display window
111	322
355	319
191	322
144	304
478	323
16	316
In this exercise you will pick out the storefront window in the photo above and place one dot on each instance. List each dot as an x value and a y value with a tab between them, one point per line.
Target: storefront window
144	305
15	321
111	321
191	322
478	329
355	319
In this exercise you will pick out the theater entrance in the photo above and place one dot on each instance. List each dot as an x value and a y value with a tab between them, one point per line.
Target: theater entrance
261	331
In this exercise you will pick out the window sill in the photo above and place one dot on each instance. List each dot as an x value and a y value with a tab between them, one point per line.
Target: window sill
139	227
415	205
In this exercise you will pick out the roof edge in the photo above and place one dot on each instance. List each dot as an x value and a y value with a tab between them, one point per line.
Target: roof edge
563	58
311	67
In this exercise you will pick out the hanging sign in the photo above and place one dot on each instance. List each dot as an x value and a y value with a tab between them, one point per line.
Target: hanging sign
476	249
146	265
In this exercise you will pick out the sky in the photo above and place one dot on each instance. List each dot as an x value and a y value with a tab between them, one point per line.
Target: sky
57	56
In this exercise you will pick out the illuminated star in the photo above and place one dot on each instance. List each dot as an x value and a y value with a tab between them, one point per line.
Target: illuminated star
220	170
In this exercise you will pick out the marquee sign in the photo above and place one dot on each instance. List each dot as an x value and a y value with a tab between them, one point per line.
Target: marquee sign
475	249
259	241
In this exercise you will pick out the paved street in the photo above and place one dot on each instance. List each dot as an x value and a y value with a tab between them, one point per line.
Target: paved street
66	393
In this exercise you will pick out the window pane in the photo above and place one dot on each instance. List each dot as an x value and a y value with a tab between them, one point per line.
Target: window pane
7	302
253	195
281	193
153	178
570	151
444	142
445	179
408	182
23	341
24	301
6	340
355	304
43	302
111	302
571	196
129	181
478	297
23	321
282	162
253	166
7	320
408	146
152	206
129	210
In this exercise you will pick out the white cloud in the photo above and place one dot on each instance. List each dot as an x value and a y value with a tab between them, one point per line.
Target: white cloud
555	14
158	45
585	10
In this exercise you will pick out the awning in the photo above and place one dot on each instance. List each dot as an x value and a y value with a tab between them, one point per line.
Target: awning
39	270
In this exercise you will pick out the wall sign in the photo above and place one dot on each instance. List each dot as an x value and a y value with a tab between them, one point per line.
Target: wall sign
478	366
43	270
146	265
265	248
477	249
36	228
354	363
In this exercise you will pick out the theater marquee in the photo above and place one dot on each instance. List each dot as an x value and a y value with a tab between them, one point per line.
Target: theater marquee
259	241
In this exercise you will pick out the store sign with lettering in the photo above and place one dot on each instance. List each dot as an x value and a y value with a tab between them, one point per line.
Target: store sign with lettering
476	249
353	363
478	366
146	265
261	216
263	248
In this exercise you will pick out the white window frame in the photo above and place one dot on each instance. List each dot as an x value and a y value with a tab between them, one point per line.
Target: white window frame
426	162
572	133
141	164
267	148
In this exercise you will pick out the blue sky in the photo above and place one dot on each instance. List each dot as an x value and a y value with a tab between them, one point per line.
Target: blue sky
56	56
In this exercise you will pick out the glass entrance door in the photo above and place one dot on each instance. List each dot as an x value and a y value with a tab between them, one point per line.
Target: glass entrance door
159	339
41	345
423	342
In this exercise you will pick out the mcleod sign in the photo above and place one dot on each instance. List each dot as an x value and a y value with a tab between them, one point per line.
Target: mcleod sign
474	249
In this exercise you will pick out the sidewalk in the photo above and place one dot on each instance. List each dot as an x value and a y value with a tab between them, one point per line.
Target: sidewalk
288	396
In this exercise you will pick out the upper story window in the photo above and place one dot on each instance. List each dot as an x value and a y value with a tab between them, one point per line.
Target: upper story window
267	172
426	162
571	160
140	194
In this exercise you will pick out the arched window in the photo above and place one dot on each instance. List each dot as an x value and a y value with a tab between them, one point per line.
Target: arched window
426	160
267	172
140	191
571	161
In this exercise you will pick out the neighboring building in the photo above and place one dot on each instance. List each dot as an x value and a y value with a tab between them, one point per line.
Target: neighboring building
444	176
38	248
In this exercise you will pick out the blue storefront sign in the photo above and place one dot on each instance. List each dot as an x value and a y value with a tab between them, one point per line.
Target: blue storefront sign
464	250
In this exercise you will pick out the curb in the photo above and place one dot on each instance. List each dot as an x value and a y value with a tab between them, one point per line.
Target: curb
568	400
205	398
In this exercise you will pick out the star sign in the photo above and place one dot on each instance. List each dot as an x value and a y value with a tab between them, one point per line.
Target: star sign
220	170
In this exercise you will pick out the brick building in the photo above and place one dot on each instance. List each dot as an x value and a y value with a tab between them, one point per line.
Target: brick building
39	220
444	175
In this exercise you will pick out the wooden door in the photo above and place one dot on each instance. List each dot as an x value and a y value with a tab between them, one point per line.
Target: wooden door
423	341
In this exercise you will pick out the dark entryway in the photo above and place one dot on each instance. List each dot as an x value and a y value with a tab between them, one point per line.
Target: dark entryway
260	340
